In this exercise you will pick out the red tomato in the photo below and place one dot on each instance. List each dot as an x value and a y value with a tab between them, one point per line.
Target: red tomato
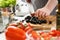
58	33
53	33
31	31
35	35
41	33
46	36
22	26
15	33
13	24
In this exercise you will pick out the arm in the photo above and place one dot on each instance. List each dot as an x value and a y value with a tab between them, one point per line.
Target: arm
47	9
51	4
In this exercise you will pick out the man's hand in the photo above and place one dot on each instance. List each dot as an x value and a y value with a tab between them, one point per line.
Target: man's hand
47	9
42	13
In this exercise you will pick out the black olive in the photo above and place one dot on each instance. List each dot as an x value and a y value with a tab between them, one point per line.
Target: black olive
33	20
28	17
27	20
35	17
50	22
39	22
43	21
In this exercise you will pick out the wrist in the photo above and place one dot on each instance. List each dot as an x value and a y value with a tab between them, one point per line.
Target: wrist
51	4
47	9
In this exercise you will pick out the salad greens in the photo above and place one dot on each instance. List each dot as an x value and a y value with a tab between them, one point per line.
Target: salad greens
7	3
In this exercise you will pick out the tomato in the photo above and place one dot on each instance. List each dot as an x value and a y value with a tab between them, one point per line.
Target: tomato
58	33
15	34
22	26
35	35
41	33
13	24
46	36
53	33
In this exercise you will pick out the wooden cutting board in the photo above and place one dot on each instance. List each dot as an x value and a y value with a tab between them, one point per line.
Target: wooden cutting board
46	26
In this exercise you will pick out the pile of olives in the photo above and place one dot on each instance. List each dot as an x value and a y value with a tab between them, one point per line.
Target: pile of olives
34	20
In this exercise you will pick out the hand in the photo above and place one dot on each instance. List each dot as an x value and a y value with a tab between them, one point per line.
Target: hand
42	13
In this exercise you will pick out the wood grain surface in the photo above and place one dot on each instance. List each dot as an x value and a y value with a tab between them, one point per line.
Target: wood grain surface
46	26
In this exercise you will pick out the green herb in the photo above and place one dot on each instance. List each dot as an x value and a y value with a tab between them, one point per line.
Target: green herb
7	3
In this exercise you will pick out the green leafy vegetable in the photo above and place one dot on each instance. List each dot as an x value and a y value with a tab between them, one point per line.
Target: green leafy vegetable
7	3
